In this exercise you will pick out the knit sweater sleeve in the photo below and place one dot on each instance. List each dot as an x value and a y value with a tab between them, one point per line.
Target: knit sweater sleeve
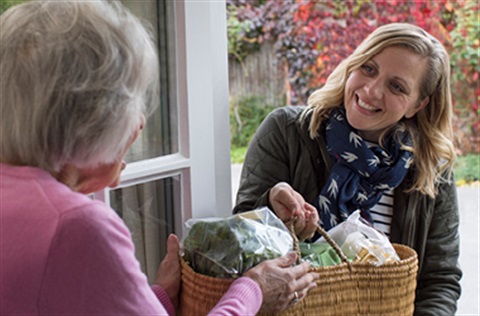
244	297
164	299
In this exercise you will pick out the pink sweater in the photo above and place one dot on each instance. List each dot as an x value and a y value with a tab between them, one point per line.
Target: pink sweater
62	253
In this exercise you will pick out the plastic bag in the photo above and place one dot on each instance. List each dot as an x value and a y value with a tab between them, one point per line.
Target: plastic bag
361	242
227	247
319	254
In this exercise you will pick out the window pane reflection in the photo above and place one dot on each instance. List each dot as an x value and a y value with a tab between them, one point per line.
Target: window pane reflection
160	134
148	211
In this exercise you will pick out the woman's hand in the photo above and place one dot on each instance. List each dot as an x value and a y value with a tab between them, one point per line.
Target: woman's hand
288	204
168	273
280	281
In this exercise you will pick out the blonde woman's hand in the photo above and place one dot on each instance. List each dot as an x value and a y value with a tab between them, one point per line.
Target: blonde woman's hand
288	204
282	284
169	273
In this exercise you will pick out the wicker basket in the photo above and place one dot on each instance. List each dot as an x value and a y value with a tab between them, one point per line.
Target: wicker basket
344	289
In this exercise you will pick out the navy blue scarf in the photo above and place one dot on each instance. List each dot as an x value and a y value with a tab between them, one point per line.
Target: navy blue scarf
360	174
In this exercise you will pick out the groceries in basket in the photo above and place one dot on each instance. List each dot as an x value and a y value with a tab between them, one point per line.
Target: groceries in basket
227	247
346	288
319	254
361	242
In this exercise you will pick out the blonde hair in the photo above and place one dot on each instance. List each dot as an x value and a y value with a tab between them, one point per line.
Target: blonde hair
77	77
430	128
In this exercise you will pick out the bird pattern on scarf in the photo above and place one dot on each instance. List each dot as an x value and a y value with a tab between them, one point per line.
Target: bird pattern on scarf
360	173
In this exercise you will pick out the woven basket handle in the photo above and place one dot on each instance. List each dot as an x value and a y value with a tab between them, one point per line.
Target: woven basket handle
321	231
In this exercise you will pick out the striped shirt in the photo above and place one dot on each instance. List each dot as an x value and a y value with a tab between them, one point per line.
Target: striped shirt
383	210
382	213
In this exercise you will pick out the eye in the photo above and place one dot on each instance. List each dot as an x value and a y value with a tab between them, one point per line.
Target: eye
367	69
396	87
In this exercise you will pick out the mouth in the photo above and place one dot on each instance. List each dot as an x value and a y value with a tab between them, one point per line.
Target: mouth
367	106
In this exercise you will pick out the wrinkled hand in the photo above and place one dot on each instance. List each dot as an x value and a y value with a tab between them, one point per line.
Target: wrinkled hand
279	281
168	273
288	203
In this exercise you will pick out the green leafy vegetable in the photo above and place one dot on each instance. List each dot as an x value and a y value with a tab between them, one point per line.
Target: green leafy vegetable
319	254
228	247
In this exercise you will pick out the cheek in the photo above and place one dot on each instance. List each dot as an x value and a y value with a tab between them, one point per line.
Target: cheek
348	85
351	84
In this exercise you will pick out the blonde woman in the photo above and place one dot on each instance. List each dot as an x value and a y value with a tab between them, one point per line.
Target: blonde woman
377	137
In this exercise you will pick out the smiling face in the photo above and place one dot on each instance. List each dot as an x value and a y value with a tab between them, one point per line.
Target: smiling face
384	90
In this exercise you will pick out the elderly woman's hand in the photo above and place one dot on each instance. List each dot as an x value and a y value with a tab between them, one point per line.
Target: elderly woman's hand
169	273
288	203
282	285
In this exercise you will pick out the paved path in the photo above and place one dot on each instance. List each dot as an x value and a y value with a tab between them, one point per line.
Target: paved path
469	198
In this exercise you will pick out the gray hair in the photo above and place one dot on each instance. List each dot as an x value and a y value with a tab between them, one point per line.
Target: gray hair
76	79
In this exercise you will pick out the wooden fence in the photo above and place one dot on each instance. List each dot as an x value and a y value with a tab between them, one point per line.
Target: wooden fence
259	74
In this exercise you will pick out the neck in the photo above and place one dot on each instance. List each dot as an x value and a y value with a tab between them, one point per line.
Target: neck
70	176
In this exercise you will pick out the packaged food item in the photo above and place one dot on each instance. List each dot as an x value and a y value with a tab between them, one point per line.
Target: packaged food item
361	242
227	247
359	248
319	255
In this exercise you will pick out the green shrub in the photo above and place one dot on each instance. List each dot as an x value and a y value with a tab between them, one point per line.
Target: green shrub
5	4
467	168
246	114
237	154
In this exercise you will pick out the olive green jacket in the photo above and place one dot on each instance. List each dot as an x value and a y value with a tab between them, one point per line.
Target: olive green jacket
282	150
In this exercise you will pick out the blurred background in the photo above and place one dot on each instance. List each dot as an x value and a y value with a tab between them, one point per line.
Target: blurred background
281	51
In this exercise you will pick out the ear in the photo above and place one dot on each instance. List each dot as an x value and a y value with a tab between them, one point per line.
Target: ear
411	113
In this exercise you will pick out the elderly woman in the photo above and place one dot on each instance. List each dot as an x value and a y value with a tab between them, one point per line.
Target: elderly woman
376	137
77	79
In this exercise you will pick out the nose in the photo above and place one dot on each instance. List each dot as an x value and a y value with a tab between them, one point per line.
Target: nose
374	88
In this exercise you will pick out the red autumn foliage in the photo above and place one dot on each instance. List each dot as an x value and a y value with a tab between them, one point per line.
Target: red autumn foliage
312	37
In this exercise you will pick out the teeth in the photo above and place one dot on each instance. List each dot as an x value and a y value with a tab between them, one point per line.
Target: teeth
366	106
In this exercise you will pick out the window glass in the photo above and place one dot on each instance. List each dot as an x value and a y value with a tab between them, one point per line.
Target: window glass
148	205
160	136
148	211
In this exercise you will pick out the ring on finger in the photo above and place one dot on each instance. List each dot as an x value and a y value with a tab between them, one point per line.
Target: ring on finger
295	297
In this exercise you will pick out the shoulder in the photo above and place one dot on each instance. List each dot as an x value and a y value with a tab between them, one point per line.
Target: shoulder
92	222
282	119
90	234
286	114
